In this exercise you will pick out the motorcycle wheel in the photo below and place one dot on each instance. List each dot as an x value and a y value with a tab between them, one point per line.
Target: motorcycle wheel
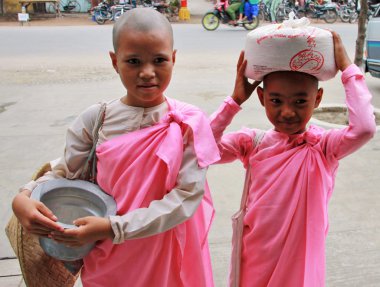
303	13
99	18
283	14
261	16
330	16
280	16
344	17
252	25
117	15
210	22
353	18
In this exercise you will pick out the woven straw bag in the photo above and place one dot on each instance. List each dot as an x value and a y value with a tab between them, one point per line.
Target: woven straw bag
38	268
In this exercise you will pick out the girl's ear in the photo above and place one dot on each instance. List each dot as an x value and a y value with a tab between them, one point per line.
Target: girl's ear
318	98
173	56
260	93
114	61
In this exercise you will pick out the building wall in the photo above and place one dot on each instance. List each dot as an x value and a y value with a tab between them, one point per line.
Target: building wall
13	6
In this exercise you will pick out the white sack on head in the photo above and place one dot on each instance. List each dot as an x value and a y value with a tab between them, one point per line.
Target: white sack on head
291	46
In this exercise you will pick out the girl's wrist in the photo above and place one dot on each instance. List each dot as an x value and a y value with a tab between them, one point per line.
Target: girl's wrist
25	192
110	234
346	65
237	99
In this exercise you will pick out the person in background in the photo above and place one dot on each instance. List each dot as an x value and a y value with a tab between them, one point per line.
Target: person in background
250	9
232	10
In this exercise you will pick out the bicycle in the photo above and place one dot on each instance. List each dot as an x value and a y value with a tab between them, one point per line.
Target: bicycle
71	6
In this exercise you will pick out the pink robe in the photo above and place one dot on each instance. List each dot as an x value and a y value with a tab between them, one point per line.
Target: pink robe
292	180
137	168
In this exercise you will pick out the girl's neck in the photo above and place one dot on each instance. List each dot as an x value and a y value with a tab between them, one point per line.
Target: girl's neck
126	101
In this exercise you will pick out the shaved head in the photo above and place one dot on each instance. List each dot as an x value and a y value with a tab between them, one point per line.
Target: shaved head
141	20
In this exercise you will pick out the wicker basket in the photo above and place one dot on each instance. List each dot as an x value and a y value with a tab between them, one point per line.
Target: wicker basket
38	269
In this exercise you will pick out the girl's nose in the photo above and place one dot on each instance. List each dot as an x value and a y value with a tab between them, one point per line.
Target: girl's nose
147	72
287	112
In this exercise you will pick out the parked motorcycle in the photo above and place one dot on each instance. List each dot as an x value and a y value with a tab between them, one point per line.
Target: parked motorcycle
346	10
327	12
106	12
264	12
284	9
212	19
169	10
371	10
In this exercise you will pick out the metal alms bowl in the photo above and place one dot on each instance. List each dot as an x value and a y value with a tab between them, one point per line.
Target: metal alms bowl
69	200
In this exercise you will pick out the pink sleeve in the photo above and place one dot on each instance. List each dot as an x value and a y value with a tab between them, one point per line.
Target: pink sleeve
362	126
234	145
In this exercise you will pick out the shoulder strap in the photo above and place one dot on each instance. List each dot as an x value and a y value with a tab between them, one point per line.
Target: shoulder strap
258	137
89	173
99	123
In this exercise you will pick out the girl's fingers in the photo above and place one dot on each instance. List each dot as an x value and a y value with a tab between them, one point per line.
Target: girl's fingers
40	229
46	211
49	223
47	218
242	63
62	237
241	59
80	221
67	233
241	70
39	232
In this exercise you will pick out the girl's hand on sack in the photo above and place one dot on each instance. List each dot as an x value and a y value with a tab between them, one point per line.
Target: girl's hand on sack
90	229
243	88
33	215
342	60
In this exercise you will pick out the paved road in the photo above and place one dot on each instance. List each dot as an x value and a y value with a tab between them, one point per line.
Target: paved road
49	74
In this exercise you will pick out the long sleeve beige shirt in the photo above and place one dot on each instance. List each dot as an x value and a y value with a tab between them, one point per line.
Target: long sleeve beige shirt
174	208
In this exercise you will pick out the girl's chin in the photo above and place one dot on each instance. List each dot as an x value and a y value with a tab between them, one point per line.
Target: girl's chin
290	131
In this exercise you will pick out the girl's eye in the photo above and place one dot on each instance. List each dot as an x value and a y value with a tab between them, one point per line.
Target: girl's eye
160	60
300	102
275	101
133	61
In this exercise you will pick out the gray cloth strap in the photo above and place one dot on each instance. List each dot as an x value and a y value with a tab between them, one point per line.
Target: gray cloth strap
89	169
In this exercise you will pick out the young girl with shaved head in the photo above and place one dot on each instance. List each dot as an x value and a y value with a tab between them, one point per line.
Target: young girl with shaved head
152	155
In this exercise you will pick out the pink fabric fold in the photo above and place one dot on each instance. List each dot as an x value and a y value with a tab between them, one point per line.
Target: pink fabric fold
137	168
205	146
